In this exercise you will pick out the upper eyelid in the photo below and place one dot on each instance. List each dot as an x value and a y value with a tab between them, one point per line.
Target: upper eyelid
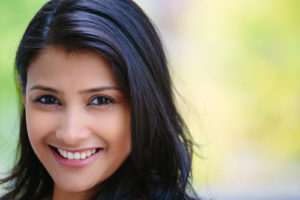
36	99
97	96
106	96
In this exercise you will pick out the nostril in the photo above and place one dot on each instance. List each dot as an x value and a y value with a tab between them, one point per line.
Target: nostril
72	135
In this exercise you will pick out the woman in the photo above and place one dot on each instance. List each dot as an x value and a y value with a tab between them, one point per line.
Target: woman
98	119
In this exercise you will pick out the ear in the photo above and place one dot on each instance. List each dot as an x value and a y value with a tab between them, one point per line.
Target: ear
22	92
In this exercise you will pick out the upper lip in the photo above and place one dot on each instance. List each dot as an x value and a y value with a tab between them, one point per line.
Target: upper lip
76	150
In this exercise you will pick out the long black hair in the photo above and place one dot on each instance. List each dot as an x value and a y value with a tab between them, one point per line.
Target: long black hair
159	166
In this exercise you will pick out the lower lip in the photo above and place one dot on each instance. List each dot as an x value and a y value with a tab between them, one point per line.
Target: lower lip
75	163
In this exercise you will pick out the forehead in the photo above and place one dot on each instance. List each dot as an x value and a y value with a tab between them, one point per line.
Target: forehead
58	56
55	65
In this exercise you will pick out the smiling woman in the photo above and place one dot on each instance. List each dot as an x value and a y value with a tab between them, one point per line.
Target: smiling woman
98	119
76	120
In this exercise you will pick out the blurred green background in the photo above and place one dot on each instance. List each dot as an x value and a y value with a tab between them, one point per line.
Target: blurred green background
236	65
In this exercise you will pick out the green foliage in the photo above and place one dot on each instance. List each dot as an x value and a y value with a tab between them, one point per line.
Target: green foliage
14	15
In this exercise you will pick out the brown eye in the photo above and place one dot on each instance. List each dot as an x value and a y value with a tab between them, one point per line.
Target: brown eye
101	100
47	99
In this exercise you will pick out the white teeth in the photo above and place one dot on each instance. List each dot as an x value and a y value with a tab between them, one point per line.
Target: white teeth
76	155
70	156
88	154
64	154
83	156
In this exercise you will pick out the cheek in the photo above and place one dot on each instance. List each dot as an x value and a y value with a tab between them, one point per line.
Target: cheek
116	131
39	125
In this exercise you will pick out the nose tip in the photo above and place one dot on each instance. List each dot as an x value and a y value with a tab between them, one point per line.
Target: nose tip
70	138
73	130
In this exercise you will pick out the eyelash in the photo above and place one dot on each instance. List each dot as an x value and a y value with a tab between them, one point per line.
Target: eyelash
47	100
104	100
51	100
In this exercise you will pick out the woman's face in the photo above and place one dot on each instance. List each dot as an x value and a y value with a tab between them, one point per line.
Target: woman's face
78	119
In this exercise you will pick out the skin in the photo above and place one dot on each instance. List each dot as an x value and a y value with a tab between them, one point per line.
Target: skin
72	101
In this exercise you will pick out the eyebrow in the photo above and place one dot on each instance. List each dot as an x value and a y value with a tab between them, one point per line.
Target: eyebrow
99	89
40	87
91	90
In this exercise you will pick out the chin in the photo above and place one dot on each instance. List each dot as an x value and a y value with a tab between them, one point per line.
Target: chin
74	186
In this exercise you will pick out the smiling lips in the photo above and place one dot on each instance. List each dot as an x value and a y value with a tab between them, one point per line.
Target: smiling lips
75	159
76	155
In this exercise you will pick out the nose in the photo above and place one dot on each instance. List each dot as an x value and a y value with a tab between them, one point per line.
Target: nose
73	129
